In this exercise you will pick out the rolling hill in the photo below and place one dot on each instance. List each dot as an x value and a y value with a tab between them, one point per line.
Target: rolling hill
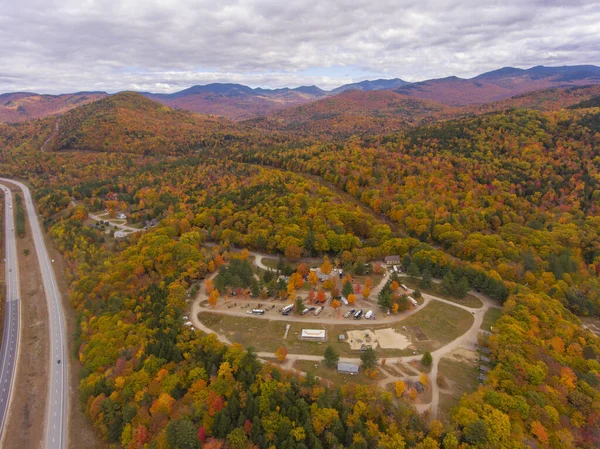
129	122
355	112
22	106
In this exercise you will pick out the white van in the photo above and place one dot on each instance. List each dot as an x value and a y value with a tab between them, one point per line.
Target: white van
318	310
369	315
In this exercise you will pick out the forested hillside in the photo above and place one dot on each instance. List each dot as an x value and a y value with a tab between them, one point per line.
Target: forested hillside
509	201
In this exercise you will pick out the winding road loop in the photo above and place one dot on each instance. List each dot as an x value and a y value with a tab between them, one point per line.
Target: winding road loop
9	354
467	340
55	433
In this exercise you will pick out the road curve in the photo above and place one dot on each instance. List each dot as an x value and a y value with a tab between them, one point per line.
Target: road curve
55	433
12	318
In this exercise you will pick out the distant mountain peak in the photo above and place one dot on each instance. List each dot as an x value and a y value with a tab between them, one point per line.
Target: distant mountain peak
379	84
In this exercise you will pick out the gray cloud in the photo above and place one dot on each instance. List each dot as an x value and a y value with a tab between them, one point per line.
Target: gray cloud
165	45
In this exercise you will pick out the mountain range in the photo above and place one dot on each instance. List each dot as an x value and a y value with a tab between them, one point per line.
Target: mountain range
239	102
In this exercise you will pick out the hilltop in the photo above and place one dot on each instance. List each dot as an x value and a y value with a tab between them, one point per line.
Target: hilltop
22	106
129	122
355	112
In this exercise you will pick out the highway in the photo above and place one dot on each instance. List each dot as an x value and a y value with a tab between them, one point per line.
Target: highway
12	318
55	431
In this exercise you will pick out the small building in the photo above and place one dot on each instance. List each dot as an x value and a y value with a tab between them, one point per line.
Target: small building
313	335
485	350
121	216
151	223
341	337
484	369
485	359
392	260
347	368
320	275
120	234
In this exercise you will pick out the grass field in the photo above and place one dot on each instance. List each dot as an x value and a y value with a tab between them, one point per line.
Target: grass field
492	315
441	323
436	290
265	335
461	378
331	374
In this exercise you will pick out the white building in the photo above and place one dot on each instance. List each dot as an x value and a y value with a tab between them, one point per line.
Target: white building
313	335
347	368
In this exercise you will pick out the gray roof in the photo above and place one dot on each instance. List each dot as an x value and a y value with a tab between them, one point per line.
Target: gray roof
348	367
392	258
485	359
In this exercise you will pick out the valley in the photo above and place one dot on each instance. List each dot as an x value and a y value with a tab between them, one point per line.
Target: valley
470	232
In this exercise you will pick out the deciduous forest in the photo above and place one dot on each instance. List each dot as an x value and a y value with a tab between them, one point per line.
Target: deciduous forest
507	199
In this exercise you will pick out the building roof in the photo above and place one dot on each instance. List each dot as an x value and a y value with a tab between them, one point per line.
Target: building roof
313	333
392	259
348	367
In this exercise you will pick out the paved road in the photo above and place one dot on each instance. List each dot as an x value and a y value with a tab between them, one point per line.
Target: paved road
113	222
12	317
55	434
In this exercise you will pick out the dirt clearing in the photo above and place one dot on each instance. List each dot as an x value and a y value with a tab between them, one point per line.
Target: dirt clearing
385	338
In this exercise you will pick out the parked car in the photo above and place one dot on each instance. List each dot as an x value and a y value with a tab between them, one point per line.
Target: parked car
287	309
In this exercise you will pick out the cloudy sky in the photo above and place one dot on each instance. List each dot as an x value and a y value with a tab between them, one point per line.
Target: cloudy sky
54	46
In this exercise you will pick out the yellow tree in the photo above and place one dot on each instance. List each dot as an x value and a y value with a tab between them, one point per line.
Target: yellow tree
291	290
212	298
351	298
313	279
366	292
400	388
336	304
298	280
424	379
209	286
326	267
